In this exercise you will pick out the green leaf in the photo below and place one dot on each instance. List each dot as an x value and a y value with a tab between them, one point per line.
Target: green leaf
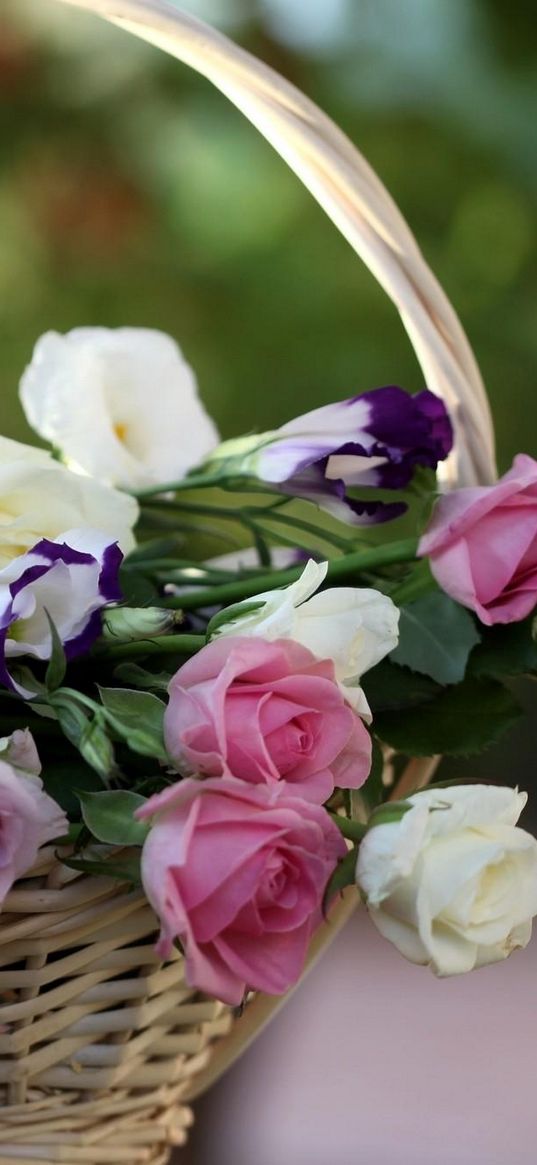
136	588
344	875
389	812
349	827
127	869
462	720
235	611
43	710
97	749
436	636
25	678
87	735
73	720
57	665
62	777
139	677
506	651
110	816
155	548
138	717
388	686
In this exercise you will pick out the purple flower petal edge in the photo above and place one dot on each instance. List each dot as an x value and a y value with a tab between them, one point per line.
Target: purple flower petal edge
109	562
109	577
408	431
389	424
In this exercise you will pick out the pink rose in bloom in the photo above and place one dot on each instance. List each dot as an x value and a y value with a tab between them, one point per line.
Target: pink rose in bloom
482	545
28	819
265	712
238	873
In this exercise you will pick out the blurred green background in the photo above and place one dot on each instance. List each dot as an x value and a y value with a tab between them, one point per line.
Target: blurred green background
131	192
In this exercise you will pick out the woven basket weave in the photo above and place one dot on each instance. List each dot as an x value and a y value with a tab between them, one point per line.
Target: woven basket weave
100	1044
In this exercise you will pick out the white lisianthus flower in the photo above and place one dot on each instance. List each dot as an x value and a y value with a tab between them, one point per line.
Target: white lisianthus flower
354	626
69	580
39	498
121	404
453	883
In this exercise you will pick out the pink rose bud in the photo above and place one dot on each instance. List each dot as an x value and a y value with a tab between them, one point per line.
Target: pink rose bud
265	712
237	872
482	545
28	819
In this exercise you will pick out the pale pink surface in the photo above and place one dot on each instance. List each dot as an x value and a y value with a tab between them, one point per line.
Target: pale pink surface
266	712
375	1061
28	819
482	545
238	873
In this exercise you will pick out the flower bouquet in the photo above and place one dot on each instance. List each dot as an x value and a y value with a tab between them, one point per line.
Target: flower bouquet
204	753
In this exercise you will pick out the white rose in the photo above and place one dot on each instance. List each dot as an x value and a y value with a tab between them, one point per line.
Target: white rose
354	626
453	883
121	404
39	498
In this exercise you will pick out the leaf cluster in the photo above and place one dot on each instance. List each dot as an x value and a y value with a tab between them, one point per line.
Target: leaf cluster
446	689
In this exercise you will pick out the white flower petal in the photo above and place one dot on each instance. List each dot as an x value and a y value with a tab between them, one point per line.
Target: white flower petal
121	404
388	854
39	498
402	934
456	873
467	805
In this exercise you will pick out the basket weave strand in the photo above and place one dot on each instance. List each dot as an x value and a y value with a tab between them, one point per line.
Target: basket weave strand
101	1045
97	1038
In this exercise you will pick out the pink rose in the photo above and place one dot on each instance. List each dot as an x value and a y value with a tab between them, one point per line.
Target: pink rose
265	712
482	545
238	873
28	819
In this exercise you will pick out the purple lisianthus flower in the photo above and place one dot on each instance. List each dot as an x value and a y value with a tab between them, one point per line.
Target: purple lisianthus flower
70	579
373	440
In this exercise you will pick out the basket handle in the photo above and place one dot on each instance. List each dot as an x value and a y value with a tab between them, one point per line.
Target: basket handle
353	197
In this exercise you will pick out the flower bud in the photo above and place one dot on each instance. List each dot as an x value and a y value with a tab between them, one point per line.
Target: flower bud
130	623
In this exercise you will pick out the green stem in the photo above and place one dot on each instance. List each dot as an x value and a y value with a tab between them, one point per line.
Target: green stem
317	532
173	564
236	483
233	513
248	515
340	568
196	481
165	645
75	695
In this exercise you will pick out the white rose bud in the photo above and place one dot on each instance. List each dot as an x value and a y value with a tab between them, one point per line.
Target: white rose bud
121	404
453	883
354	626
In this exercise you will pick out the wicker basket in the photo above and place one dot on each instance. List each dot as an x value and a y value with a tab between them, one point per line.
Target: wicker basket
102	1045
